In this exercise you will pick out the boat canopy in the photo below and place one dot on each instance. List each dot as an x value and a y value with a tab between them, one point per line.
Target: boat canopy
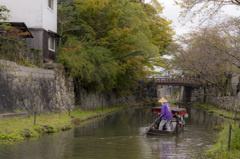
175	111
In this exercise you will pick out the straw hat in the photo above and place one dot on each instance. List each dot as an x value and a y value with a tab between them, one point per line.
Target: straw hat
162	100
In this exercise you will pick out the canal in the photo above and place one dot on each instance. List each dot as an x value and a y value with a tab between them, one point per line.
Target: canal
117	136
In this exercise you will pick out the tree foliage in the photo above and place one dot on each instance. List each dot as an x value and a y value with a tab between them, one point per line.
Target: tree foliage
212	54
89	64
111	44
3	17
209	8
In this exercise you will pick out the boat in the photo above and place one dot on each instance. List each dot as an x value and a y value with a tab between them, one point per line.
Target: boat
177	123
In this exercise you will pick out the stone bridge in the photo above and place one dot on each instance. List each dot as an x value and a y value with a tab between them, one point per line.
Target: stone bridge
192	82
166	87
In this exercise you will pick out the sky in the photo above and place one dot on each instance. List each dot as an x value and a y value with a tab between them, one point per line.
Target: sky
172	12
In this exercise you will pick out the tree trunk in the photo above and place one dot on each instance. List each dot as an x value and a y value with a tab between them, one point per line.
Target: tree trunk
204	95
230	85
60	39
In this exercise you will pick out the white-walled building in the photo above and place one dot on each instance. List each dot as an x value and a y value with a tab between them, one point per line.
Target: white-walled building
40	16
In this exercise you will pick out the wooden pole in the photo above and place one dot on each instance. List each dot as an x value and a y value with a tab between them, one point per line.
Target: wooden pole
102	105
35	116
229	136
60	110
149	127
235	117
69	110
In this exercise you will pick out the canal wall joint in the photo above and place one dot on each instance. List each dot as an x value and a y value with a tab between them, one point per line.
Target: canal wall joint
34	90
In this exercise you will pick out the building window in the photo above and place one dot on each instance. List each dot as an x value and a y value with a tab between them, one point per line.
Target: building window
50	4
51	43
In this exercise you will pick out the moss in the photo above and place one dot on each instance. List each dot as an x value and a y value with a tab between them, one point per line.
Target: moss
219	128
176	93
5	138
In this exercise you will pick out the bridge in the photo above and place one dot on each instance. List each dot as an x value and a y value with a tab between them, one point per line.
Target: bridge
186	85
192	82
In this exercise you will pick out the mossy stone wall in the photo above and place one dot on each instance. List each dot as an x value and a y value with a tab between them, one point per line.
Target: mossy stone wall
34	90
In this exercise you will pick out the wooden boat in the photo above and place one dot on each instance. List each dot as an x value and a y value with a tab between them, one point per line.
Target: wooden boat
177	122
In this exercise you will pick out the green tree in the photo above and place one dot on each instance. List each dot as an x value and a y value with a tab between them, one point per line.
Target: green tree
3	17
66	18
130	33
88	64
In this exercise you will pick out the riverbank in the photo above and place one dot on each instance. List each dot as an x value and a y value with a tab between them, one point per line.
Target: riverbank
16	129
220	147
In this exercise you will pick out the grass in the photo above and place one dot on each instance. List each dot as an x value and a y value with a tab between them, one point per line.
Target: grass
220	148
218	112
16	129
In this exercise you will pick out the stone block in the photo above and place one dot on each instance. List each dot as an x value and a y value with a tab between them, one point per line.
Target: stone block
36	87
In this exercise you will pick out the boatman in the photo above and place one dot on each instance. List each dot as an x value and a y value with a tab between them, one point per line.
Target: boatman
166	114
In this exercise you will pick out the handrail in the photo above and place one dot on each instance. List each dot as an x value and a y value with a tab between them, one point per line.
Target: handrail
178	81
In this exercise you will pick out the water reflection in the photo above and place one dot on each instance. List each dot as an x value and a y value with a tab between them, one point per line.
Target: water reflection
117	136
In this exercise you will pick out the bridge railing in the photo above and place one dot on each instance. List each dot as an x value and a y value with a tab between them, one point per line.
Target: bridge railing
177	80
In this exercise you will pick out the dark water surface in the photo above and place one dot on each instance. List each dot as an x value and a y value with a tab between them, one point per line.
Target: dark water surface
117	137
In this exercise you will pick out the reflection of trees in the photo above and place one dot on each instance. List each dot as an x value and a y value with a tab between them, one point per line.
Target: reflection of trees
202	119
49	147
119	123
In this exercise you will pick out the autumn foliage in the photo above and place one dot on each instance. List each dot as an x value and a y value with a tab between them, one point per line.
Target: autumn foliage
212	55
16	33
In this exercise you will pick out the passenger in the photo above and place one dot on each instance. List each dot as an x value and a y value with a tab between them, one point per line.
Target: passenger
166	113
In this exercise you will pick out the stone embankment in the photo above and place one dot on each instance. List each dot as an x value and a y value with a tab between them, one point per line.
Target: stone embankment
34	90
92	100
230	103
47	91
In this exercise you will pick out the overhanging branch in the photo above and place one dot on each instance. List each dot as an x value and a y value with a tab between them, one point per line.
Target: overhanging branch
135	52
237	2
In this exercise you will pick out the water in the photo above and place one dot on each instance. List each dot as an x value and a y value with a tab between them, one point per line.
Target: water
117	137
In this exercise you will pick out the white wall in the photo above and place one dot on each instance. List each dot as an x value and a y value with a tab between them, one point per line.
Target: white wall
49	16
28	11
34	13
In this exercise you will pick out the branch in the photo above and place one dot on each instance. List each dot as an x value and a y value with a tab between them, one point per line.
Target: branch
237	2
135	52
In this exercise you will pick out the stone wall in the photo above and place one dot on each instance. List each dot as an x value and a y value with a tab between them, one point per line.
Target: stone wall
230	103
32	89
93	100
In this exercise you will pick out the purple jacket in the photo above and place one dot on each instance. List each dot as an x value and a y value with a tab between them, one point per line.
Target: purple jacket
166	112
